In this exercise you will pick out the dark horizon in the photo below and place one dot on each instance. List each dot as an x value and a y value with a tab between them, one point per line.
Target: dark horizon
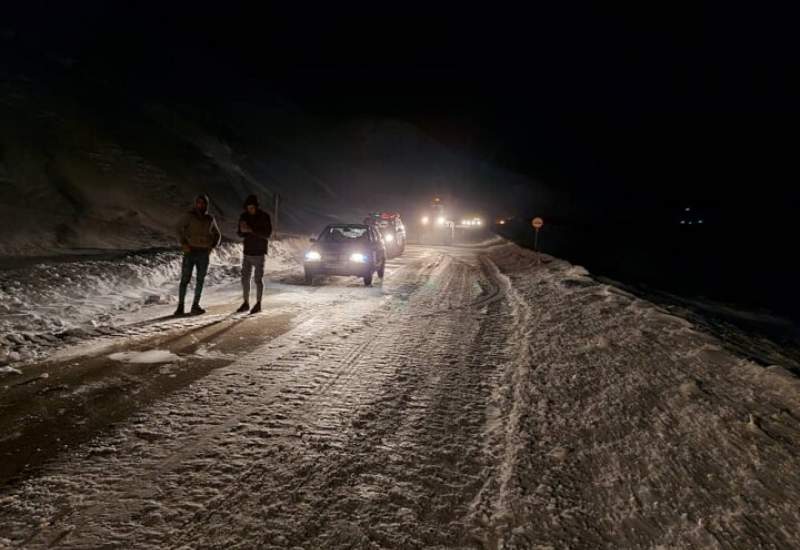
681	106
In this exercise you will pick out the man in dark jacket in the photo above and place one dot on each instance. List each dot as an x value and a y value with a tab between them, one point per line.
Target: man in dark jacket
255	227
199	235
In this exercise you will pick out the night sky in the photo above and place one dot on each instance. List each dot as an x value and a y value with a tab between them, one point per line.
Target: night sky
643	104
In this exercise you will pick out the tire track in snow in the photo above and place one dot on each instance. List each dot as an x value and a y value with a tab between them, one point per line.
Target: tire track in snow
492	509
411	395
301	406
278	380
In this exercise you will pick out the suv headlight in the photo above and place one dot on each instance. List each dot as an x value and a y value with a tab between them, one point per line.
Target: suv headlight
358	257
313	256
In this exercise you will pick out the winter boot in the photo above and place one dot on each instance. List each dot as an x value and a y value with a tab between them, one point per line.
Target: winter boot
180	311
242	308
256	308
197	310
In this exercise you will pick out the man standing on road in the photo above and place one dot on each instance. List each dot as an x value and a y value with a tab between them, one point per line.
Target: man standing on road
199	235
255	226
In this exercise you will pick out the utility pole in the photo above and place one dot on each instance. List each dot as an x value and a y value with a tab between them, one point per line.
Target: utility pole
275	220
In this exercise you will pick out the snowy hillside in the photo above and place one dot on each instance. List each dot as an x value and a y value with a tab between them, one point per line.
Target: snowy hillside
87	167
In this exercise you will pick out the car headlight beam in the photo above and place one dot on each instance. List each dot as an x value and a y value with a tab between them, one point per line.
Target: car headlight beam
313	256
358	258
388	237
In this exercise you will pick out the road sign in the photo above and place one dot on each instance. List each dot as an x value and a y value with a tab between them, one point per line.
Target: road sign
537	224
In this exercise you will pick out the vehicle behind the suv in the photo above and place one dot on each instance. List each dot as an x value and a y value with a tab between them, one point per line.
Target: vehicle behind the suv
391	227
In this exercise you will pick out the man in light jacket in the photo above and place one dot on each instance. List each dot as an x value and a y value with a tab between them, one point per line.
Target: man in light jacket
199	235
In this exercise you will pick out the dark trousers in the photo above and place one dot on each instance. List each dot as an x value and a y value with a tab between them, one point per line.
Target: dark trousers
196	258
250	264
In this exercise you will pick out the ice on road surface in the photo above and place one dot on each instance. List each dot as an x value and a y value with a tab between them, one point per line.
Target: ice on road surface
150	356
480	397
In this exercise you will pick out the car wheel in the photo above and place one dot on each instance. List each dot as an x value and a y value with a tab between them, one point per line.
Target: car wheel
368	280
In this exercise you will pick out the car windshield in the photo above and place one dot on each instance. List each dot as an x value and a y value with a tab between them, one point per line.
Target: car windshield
343	233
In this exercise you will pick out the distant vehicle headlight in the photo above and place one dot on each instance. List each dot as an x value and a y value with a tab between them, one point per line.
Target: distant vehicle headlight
388	237
313	256
464	222
478	222
440	220
424	220
358	258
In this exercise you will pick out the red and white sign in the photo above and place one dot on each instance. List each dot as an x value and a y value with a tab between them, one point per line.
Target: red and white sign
537	223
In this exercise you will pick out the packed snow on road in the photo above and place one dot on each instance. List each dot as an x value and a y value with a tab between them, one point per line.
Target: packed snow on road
479	396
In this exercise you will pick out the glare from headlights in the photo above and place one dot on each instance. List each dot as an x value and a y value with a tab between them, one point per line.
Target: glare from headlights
478	222
357	257
313	256
440	220
424	220
388	237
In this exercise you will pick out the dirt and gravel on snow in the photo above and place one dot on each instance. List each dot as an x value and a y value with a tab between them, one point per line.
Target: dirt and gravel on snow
479	397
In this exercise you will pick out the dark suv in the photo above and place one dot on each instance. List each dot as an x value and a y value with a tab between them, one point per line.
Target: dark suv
346	249
391	227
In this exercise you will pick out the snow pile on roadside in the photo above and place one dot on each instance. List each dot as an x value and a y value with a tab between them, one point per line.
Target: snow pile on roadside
619	421
44	304
494	240
53	297
286	253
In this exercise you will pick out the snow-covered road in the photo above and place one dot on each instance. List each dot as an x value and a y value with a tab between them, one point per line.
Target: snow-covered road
477	398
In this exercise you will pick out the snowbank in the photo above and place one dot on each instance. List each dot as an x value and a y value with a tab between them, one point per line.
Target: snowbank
73	181
47	304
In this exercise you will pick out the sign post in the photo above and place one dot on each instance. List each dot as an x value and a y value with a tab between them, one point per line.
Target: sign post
537	224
